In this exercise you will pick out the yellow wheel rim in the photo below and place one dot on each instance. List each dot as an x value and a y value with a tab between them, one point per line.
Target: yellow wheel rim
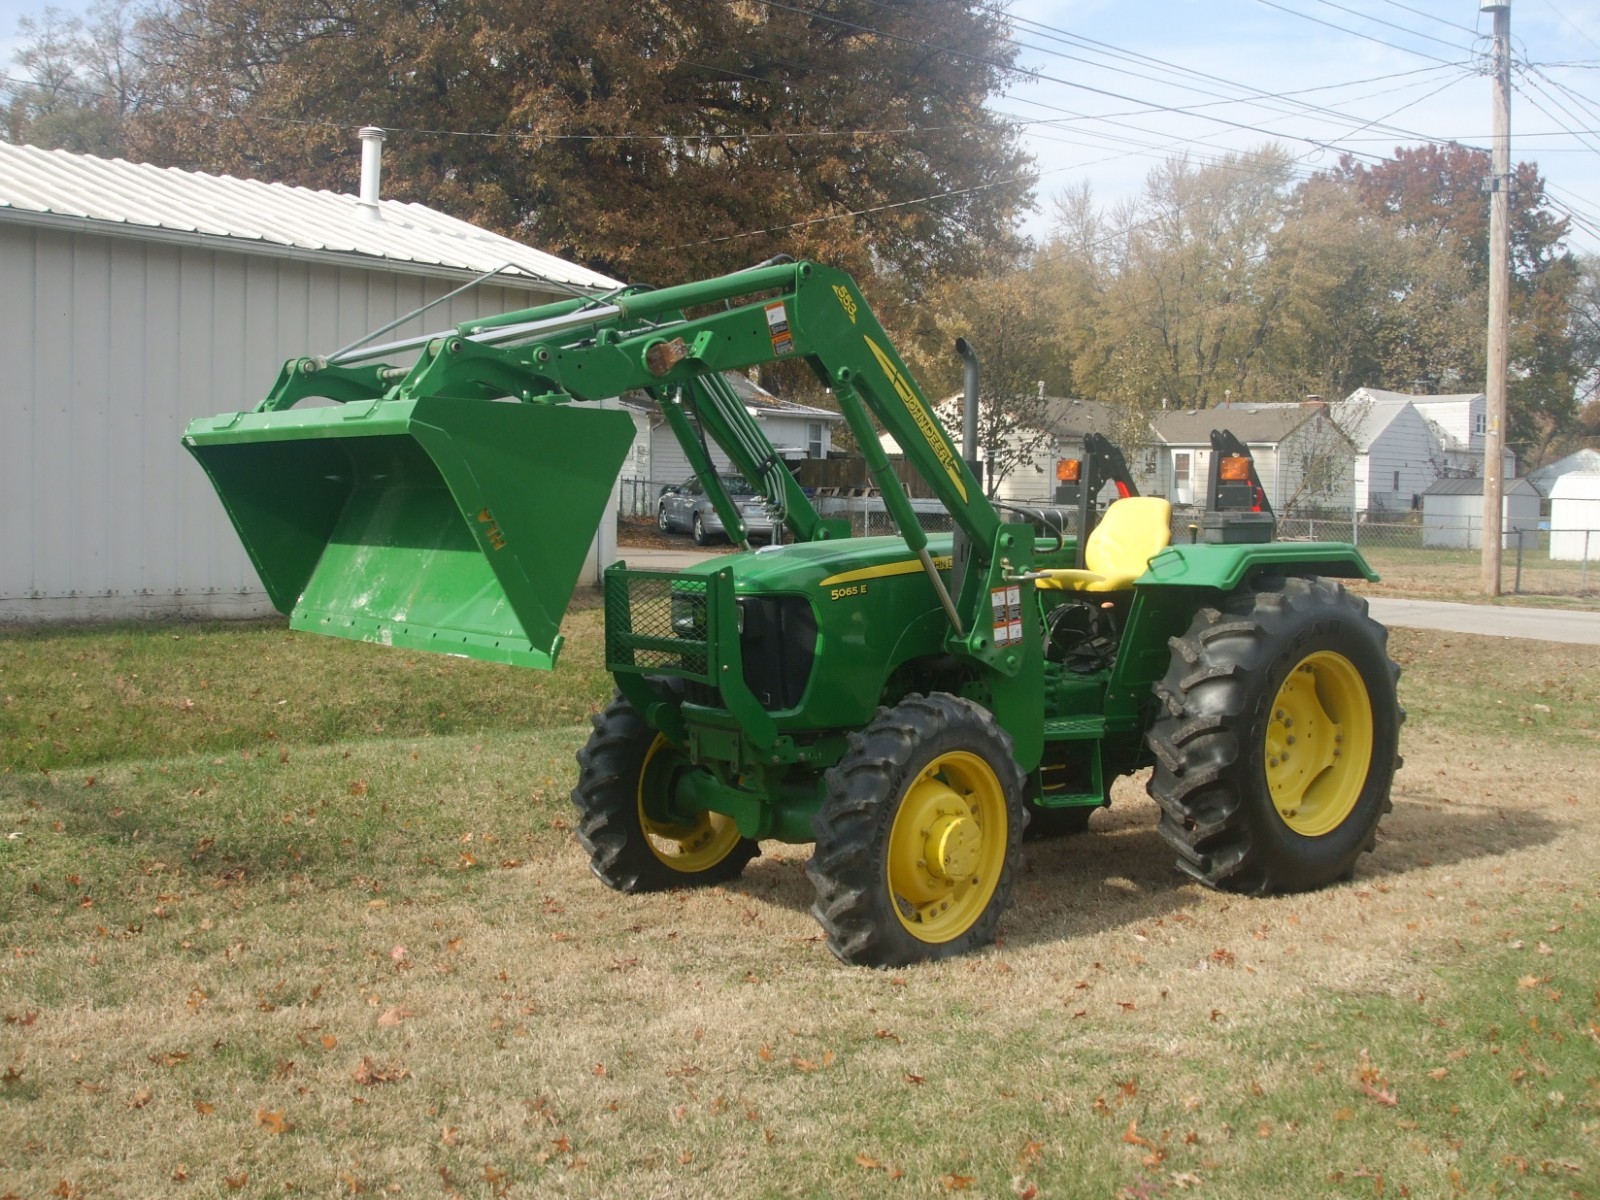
1319	743
690	846
947	847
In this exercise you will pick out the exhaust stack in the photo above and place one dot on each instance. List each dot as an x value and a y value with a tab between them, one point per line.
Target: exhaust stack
371	170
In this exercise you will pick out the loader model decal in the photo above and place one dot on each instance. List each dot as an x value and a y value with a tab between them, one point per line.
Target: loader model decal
919	414
492	535
846	301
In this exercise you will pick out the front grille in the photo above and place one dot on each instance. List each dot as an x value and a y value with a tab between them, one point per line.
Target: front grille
658	623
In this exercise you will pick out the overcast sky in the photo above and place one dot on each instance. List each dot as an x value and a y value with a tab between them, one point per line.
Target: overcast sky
1108	75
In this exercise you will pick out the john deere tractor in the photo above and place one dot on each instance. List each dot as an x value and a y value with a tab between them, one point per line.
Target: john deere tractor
907	703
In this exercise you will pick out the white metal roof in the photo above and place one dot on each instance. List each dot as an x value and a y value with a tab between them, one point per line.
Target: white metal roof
136	199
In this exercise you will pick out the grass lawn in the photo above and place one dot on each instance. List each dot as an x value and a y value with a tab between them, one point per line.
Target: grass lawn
285	915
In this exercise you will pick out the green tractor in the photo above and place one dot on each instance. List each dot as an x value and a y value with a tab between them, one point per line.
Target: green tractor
910	704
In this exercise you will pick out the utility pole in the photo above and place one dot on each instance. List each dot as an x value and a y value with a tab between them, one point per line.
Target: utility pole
1499	184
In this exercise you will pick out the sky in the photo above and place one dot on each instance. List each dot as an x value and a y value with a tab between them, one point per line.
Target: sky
1105	79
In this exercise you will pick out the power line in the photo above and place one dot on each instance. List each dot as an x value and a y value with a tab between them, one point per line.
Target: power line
1403	29
1353	33
1432	17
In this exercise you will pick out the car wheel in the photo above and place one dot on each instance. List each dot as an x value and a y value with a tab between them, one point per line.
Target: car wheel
701	537
663	522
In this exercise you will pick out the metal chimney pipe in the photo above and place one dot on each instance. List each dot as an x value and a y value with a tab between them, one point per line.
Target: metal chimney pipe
371	168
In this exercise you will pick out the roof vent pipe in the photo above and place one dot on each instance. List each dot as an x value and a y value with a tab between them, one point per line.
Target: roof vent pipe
371	168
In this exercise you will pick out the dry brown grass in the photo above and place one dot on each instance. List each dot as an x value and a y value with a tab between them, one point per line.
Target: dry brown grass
389	972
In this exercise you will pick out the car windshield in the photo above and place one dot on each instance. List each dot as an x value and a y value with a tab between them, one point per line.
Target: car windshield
737	485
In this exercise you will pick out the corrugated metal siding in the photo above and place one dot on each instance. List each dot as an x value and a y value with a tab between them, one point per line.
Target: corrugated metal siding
113	345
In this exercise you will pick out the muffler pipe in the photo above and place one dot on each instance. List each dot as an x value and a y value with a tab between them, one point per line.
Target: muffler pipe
961	547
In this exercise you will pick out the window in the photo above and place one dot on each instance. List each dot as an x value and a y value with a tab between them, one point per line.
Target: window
1396	487
1480	424
813	439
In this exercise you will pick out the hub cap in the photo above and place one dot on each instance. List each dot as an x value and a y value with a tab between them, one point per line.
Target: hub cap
947	847
692	845
1318	743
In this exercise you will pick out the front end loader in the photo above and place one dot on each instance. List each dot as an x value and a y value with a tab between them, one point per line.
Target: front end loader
909	704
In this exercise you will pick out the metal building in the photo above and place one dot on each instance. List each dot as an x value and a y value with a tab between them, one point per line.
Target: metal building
135	298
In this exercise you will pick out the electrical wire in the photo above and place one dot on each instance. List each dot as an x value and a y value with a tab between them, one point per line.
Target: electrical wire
1403	29
1432	17
1353	33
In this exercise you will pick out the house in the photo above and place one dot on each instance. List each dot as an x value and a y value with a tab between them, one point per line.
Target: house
1302	457
796	430
1407	442
1452	513
1575	518
1032	450
1581	462
138	297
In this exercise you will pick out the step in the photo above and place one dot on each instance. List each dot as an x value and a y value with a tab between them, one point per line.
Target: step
1074	729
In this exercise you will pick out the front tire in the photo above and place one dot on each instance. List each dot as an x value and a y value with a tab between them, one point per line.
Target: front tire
1277	745
701	537
625	779
919	837
663	522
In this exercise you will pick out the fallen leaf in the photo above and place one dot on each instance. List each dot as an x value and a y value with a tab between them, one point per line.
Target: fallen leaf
204	1109
368	1073
957	1183
1528	981
272	1120
391	1017
867	1161
1438	1073
170	1059
1381	1095
235	1182
913	1078
141	1098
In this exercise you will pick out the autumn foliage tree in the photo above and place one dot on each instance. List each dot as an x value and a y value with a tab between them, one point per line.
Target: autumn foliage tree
657	141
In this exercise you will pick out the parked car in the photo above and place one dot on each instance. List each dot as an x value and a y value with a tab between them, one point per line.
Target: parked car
685	508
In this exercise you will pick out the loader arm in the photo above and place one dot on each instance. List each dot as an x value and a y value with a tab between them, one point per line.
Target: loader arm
544	358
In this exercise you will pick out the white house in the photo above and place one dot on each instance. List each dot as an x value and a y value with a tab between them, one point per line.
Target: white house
1302	458
1452	513
796	431
1398	453
136	298
1407	442
1034	449
1580	462
1575	518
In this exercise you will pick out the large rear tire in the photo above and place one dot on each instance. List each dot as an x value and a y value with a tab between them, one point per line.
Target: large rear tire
1278	739
626	773
919	837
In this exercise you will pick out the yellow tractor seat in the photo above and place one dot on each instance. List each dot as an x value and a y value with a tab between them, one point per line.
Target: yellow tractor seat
1134	530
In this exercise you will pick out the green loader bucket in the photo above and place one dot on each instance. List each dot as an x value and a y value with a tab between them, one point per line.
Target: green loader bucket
450	525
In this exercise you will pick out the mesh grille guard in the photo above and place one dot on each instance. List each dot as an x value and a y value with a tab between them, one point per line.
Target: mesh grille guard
663	624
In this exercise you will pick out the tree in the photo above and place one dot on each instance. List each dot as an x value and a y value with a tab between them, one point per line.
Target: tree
658	141
1014	327
82	80
1432	196
1172	290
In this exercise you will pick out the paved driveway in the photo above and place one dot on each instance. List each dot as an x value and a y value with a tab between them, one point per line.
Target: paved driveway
1491	620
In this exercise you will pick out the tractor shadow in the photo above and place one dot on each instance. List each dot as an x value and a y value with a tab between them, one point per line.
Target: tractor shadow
1121	872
